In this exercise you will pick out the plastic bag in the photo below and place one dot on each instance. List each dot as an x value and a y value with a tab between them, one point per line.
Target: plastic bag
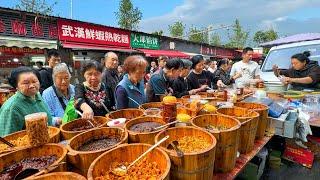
302	126
70	113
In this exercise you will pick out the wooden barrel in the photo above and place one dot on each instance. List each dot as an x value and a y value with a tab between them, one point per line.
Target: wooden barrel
60	176
83	159
249	123
67	129
195	165
227	140
129	114
20	139
147	137
263	118
44	150
128	153
151	105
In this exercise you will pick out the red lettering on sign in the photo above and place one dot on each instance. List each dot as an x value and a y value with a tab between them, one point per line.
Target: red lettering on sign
18	27
53	31
37	29
2	27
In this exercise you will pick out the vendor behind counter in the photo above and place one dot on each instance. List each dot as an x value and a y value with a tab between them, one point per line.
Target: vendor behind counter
304	73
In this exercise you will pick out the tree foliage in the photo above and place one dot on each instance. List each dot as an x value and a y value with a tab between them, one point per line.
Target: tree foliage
239	37
265	36
36	6
215	40
159	33
177	29
198	35
128	16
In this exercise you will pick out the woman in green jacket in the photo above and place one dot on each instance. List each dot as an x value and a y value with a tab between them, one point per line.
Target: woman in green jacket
27	100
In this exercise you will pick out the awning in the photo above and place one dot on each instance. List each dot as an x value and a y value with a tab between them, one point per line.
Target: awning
81	46
169	53
193	54
27	42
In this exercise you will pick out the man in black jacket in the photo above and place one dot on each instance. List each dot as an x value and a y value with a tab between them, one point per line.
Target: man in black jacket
180	85
110	74
46	73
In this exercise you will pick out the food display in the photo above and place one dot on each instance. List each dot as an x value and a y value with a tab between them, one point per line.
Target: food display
152	111
40	163
99	143
36	127
144	127
169	108
216	128
80	127
22	141
183	117
189	144
169	100
209	108
142	170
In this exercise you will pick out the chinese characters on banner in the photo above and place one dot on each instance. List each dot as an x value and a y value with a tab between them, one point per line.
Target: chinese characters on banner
144	41
2	26
73	31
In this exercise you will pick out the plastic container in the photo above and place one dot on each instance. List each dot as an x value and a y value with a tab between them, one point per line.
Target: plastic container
120	122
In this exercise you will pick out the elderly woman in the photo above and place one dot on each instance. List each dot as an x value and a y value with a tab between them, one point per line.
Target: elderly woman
58	95
27	100
93	97
303	74
130	90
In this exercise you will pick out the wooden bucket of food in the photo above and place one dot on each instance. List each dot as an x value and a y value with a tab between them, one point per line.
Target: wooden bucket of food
151	105
60	176
48	154
199	152
129	114
127	153
20	139
263	118
140	129
86	147
227	132
73	128
249	124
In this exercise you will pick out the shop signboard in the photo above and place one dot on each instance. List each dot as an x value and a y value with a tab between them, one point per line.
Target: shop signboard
144	41
91	34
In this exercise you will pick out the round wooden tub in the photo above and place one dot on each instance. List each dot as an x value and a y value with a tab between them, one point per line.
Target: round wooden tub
60	176
195	165
145	137
227	140
129	114
128	153
249	124
83	159
67	129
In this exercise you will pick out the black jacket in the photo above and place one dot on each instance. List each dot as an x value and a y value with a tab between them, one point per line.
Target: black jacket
196	80
110	78
45	78
220	74
311	69
180	87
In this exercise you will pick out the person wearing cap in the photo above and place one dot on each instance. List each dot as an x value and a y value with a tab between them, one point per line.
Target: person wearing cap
180	85
110	75
26	100
160	83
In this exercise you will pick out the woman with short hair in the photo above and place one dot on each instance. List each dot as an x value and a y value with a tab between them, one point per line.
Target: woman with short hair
58	95
129	92
27	100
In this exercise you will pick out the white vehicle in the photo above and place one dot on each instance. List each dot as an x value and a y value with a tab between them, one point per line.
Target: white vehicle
281	56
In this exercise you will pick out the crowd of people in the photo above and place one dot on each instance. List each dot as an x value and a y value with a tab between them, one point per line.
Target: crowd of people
108	87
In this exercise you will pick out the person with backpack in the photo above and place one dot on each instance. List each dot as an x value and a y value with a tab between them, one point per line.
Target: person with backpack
46	73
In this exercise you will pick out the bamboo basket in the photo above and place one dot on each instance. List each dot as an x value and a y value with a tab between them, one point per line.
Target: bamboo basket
196	165
128	153
83	159
66	129
227	140
249	124
147	137
129	114
54	134
60	176
263	118
44	150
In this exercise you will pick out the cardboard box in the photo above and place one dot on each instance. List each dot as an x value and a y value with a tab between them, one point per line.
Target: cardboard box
285	124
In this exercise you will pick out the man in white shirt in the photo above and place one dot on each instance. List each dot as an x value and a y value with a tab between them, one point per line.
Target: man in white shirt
247	69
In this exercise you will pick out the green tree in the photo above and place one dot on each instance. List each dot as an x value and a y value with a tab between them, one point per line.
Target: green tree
215	40
128	16
239	37
159	33
36	6
265	36
177	29
198	35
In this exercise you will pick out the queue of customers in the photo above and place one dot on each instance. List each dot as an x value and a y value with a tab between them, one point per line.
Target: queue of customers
105	89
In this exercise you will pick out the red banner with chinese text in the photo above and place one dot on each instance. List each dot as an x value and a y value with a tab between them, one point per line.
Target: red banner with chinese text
79	32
